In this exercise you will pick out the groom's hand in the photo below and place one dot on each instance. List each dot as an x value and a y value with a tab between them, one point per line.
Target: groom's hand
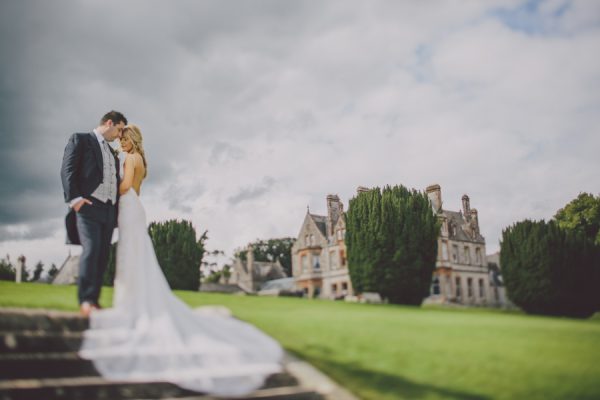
80	204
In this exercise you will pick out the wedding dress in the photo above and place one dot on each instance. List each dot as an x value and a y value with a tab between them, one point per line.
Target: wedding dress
151	335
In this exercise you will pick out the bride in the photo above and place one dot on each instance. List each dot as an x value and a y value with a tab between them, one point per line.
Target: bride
151	335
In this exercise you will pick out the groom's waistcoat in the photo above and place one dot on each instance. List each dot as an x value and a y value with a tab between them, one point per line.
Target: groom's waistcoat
84	168
107	190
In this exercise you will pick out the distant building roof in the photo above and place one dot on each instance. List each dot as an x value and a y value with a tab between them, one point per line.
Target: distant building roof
458	221
68	272
281	284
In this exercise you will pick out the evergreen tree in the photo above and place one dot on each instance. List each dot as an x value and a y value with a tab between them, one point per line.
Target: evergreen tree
391	240
7	271
549	270
179	253
52	272
37	272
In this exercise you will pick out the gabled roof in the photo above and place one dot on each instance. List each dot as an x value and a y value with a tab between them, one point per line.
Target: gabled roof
457	220
321	222
341	222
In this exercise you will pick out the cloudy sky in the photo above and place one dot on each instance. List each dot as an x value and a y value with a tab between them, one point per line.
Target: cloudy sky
253	110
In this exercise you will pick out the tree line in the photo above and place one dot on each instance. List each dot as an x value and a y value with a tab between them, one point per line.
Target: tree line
8	272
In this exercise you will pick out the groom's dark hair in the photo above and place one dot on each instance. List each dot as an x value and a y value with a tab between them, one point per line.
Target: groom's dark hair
114	116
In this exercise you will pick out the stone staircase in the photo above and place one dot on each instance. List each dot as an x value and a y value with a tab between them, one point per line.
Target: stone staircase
39	361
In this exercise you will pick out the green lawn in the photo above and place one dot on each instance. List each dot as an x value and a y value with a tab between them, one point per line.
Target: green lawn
393	352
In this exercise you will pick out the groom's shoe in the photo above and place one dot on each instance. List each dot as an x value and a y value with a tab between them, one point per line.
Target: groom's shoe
85	309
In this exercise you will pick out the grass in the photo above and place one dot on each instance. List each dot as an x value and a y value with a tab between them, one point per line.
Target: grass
396	352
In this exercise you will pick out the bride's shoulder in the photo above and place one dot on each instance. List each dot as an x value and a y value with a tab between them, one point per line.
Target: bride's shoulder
133	157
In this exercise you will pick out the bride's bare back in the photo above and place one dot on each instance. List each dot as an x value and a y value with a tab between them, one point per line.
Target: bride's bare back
133	174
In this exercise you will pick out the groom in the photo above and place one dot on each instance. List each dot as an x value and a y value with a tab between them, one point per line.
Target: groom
90	179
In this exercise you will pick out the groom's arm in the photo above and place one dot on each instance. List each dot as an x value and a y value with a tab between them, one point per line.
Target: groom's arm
70	168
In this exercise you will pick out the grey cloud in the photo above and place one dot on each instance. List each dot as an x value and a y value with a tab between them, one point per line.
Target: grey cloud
179	196
31	231
252	192
223	152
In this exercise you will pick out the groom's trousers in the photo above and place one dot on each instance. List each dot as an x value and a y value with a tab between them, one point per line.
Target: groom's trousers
95	224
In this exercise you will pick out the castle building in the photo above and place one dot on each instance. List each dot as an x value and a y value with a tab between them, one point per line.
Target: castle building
462	276
319	263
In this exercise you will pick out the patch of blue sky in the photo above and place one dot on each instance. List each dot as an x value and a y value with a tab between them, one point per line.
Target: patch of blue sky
531	18
420	67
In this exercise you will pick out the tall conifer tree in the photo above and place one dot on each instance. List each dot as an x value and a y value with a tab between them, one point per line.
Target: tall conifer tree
391	239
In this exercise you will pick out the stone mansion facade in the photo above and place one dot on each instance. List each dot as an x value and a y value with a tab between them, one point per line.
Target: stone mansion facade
461	274
319	263
320	267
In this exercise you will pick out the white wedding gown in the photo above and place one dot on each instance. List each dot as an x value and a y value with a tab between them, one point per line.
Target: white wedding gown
151	335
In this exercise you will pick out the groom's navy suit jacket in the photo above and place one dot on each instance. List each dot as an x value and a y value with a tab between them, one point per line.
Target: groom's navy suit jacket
81	174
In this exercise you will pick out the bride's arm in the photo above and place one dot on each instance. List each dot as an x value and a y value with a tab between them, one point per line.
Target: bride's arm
127	182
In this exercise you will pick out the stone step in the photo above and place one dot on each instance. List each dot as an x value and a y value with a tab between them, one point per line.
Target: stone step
39	342
15	320
92	388
38	360
19	366
44	365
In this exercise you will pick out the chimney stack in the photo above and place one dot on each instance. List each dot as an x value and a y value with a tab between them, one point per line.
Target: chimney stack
466	207
434	192
475	220
334	210
361	189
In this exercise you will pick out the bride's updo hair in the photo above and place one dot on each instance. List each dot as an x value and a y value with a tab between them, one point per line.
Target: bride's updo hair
134	134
